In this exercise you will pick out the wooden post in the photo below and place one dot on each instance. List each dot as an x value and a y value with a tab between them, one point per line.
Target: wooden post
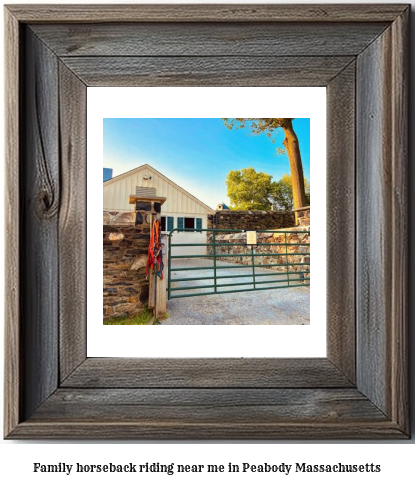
148	208
161	284
151	289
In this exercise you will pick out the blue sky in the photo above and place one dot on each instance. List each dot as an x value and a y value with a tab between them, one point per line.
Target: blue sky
197	154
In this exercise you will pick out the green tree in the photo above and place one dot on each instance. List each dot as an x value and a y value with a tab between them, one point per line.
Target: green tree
249	190
282	196
291	144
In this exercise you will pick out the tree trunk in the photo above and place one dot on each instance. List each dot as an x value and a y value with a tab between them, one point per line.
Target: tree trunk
292	147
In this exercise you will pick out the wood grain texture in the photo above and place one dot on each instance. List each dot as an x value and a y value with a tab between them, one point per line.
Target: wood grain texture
188	430
198	39
40	205
206	373
374	221
206	71
72	222
341	236
383	248
399	230
13	380
206	13
210	405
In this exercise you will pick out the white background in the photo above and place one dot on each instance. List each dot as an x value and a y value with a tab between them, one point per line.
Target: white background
213	340
396	458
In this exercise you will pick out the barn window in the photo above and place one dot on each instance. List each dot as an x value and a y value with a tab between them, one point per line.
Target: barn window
189	223
167	224
163	224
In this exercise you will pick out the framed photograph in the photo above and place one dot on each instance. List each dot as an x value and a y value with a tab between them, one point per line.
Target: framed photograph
180	150
358	389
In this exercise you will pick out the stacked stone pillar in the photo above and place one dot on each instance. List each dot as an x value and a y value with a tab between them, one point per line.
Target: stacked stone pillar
126	241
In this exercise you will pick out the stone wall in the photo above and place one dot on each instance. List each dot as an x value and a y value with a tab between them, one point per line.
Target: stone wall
125	259
303	216
118	218
126	240
250	220
297	239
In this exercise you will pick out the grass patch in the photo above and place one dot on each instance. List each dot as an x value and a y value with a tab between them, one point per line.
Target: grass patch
164	317
142	318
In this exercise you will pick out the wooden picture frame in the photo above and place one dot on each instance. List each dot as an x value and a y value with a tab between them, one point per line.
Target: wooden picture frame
360	53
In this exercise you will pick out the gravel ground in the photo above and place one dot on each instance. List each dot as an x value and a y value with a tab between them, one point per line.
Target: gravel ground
285	306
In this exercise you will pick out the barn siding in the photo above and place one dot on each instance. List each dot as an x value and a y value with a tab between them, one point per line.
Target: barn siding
116	194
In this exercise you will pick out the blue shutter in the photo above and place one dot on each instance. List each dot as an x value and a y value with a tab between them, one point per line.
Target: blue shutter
170	223
198	224
180	222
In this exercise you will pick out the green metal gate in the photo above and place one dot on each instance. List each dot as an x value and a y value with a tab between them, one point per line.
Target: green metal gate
215	278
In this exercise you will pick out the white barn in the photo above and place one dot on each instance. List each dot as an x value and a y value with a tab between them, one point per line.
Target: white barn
180	210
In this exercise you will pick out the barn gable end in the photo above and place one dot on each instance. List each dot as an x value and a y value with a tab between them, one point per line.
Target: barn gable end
118	189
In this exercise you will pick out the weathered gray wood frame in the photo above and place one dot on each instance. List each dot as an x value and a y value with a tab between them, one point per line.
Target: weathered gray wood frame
359	52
